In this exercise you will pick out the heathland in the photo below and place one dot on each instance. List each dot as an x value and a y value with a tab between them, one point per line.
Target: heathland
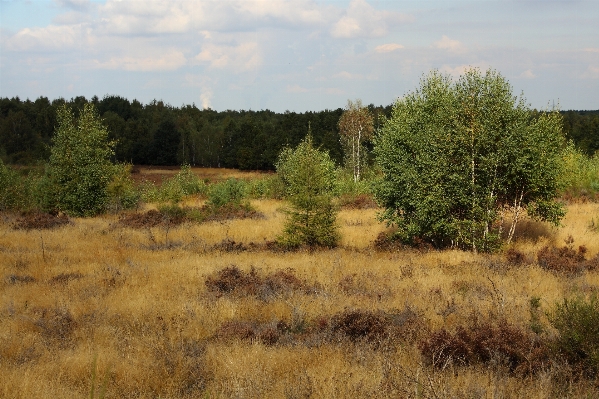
154	303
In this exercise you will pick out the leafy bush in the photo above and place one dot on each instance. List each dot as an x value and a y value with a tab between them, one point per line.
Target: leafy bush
80	170
577	321
121	191
229	192
580	175
266	187
309	178
455	154
11	194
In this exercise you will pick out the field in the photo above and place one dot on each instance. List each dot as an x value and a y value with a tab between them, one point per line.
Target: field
94	308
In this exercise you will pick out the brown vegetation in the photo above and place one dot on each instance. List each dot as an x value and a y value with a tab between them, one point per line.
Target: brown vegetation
221	314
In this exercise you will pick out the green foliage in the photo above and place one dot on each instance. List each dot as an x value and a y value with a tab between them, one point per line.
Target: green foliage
121	191
309	178
456	156
266	187
229	192
10	188
80	170
580	175
577	321
173	190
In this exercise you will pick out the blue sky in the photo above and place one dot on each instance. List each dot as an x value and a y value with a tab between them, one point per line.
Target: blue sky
295	55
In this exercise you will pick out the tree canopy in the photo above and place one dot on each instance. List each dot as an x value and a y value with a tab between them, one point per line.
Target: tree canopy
456	156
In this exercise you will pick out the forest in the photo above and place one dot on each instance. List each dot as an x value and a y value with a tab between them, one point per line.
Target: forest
160	134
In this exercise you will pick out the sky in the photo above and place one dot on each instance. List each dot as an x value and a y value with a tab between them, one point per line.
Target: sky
296	55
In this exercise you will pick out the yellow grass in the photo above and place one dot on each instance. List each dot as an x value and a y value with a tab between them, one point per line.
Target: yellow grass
139	305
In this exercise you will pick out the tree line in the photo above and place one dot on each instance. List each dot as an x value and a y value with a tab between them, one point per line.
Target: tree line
161	134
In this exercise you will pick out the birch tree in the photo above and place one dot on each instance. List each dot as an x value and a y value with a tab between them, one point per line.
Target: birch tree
459	156
356	125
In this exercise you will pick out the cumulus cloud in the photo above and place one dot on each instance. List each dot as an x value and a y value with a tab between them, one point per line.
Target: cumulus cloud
168	61
387	48
296	89
347	75
528	74
49	38
243	57
363	20
450	45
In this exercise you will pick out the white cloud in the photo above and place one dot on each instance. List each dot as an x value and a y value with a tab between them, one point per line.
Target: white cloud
528	74
168	61
456	71
450	45
348	75
43	39
243	57
296	89
388	47
363	20
592	72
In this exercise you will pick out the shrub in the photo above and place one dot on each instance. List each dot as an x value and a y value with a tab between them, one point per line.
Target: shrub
566	259
455	154
580	177
121	191
266	187
309	178
80	169
577	321
10	189
229	192
502	344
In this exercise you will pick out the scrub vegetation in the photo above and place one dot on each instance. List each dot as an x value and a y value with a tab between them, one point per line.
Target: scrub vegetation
395	276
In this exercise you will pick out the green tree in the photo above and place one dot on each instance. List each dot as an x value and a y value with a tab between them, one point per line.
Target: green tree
309	178
458	156
80	170
355	126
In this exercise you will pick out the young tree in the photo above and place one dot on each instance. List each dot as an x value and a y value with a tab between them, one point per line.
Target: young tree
355	126
309	178
457	155
80	169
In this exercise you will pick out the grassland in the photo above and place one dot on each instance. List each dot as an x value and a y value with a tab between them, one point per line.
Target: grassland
94	308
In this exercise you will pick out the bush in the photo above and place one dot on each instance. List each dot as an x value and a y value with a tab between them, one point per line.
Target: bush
502	344
577	321
11	194
455	154
173	190
566	259
580	177
229	192
266	187
121	191
80	170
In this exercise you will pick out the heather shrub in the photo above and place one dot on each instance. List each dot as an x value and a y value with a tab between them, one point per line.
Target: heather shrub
500	344
577	321
566	259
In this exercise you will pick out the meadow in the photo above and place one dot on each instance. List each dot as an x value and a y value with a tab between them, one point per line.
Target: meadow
97	308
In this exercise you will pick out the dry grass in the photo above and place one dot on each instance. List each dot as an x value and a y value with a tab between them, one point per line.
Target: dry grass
137	300
157	174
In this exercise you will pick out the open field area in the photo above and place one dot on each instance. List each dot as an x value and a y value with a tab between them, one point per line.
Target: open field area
94	308
159	174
